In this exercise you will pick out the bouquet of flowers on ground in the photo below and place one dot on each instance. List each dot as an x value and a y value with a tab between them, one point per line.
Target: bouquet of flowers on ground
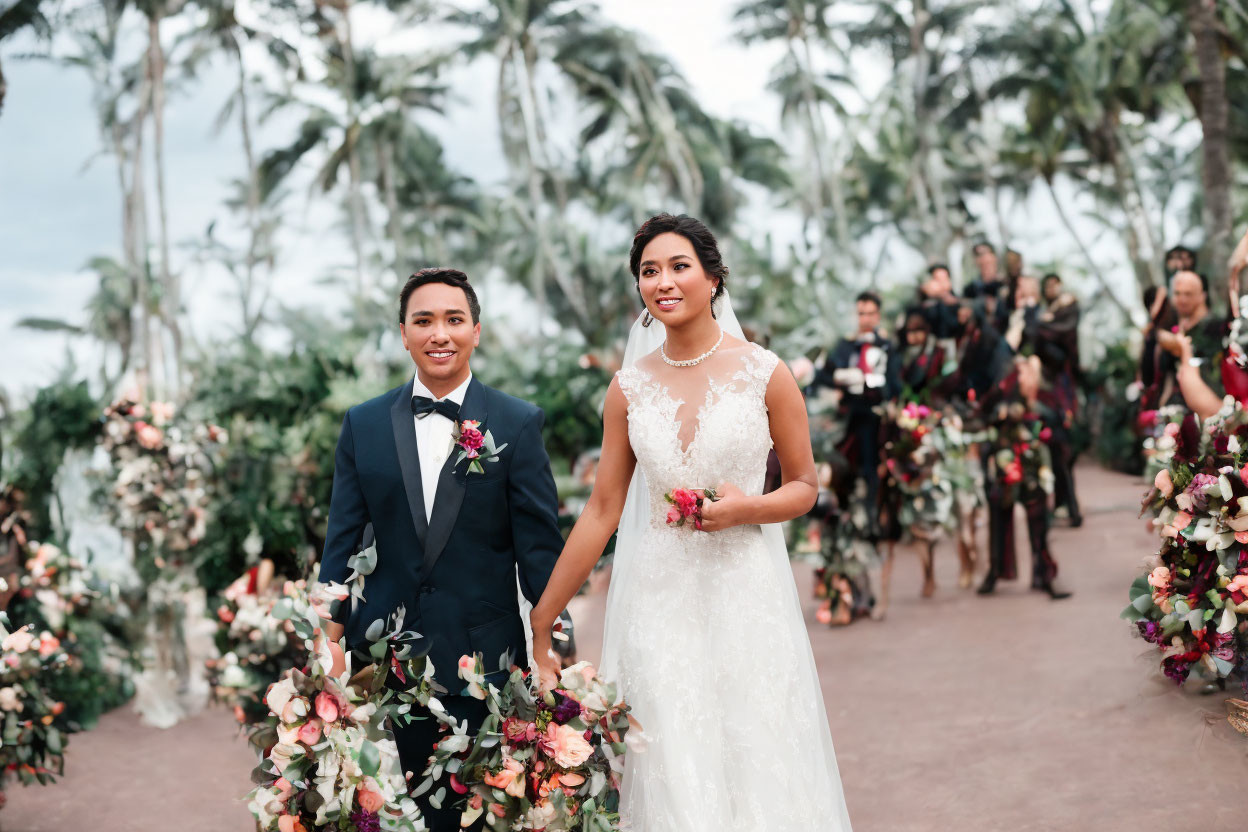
328	759
257	640
1193	602
60	595
32	727
686	505
541	761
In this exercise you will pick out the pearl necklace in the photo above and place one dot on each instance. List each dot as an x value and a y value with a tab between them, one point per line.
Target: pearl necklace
691	361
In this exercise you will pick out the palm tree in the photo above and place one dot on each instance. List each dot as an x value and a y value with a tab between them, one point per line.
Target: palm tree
806	94
519	34
1213	110
24	14
218	30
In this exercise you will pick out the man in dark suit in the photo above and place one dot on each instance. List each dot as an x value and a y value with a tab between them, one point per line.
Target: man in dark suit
453	533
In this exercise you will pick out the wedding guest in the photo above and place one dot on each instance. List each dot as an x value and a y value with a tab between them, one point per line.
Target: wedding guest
1180	259
863	369
1190	295
1017	474
989	290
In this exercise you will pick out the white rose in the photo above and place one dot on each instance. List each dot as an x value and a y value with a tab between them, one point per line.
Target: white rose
279	695
10	699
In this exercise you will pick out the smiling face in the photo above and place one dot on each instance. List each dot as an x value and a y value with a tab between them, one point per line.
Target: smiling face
439	334
673	285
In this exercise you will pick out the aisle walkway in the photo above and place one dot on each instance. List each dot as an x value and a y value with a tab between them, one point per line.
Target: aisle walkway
960	713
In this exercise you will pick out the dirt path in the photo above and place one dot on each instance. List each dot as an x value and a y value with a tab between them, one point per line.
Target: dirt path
960	713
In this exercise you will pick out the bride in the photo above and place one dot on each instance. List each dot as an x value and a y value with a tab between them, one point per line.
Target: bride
704	630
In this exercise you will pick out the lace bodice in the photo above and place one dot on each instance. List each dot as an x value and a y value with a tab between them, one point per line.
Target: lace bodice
697	427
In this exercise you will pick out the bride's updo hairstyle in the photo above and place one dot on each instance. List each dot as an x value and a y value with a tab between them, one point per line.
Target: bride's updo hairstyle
698	235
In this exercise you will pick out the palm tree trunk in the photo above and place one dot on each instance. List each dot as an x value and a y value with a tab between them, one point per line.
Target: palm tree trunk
1202	17
171	302
353	156
386	167
1140	239
251	315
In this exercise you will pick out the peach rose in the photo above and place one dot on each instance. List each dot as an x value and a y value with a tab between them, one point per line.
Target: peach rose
510	778
1238	584
824	614
1171	429
1241	537
149	436
566	746
370	801
48	644
290	823
19	641
1159	577
326	706
284	789
296	709
1181	521
1163	483
310	732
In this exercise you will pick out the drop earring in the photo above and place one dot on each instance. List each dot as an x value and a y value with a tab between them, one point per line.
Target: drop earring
646	319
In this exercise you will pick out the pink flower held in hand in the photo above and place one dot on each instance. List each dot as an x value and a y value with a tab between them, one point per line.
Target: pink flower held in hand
673	516
1163	483
326	707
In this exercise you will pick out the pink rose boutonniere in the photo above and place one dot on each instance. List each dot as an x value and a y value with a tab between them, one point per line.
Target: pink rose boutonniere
475	446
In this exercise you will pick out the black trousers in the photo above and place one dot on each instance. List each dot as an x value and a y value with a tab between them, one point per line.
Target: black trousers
1002	560
416	742
1064	479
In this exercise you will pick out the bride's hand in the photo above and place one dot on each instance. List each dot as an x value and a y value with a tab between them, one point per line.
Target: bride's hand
546	660
725	512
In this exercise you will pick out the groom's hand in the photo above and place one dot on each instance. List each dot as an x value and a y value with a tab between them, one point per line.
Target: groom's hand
727	511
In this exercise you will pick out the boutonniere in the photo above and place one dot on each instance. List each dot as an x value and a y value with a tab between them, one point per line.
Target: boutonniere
475	446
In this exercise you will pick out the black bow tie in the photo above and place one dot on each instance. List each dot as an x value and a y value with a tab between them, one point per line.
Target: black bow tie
422	406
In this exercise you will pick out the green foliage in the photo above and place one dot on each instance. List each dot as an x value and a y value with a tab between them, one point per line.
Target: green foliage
571	395
1109	419
63	415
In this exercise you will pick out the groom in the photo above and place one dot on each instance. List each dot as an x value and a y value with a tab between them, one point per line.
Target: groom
450	539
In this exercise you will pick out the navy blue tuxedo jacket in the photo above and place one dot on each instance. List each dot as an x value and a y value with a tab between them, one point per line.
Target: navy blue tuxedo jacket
455	573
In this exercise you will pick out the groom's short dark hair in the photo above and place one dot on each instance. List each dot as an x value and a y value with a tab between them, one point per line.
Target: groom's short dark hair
439	274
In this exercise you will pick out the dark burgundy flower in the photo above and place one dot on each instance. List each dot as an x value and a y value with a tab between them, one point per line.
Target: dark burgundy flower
1219	443
1149	630
366	821
567	710
1175	669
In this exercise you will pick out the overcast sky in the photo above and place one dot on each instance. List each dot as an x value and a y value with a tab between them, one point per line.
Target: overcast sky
60	205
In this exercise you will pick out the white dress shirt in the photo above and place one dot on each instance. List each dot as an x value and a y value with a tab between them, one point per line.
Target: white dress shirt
435	437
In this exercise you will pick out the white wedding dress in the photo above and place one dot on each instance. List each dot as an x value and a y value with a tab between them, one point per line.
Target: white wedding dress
704	629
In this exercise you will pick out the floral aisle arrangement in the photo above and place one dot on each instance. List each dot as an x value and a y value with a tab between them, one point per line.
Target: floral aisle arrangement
33	731
328	761
1193	602
541	760
257	640
162	487
90	619
165	468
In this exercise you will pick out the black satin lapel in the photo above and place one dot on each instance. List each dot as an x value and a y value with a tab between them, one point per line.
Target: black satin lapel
409	459
452	482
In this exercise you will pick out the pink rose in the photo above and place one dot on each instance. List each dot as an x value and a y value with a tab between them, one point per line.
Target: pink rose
310	732
1171	429
1238	584
686	501
673	516
471	439
326	707
370	801
1163	483
149	436
566	746
1181	520
48	644
1241	537
225	614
